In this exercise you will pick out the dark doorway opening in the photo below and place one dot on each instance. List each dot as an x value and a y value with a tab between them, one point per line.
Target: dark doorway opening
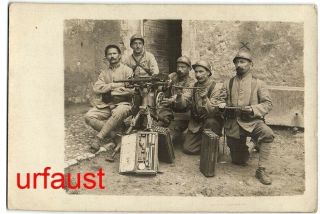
163	39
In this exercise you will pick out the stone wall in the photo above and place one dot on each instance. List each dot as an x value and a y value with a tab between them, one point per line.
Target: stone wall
84	43
277	48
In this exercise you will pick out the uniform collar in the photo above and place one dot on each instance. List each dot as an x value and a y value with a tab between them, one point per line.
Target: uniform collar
112	67
141	55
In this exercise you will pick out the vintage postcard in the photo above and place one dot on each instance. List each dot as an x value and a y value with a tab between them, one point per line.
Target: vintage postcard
192	108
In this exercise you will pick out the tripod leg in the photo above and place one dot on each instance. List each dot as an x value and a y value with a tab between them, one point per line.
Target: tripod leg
133	123
149	124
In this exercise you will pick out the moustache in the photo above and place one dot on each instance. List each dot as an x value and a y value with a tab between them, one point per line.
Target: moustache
239	69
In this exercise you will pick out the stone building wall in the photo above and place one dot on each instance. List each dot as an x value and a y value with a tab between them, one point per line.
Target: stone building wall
277	48
84	43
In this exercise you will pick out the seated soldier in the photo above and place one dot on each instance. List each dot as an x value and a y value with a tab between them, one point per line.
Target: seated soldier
203	103
113	105
178	81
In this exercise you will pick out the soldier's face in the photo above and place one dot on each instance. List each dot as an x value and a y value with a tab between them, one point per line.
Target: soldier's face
242	65
201	74
113	56
137	46
182	69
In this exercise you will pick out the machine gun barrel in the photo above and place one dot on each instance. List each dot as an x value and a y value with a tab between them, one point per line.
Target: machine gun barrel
138	80
184	87
233	107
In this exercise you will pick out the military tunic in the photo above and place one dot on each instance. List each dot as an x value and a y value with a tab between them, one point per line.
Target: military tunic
105	116
208	105
260	102
180	123
139	67
248	91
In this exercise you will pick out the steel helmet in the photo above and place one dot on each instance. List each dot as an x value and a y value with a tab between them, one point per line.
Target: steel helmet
203	64
243	54
185	60
136	36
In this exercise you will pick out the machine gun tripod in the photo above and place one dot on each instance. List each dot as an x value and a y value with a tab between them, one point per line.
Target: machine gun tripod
147	87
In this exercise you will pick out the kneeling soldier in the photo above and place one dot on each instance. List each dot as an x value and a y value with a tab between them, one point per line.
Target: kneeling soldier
202	102
113	105
179	81
252	98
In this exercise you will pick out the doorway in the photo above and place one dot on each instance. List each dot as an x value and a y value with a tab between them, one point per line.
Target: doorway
163	40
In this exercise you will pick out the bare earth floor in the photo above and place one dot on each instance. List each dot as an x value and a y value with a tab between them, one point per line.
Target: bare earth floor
183	178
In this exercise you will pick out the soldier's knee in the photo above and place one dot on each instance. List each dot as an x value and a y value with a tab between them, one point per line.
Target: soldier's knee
87	118
189	151
121	111
267	136
215	125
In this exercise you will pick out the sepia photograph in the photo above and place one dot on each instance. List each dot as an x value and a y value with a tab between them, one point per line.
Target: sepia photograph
162	111
225	100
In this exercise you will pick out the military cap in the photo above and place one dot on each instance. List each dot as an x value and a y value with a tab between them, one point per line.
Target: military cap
243	54
185	60
203	64
136	36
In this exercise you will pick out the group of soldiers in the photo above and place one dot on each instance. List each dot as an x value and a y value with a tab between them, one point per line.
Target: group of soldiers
238	106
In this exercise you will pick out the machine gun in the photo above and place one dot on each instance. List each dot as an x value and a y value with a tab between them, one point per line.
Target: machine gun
152	81
147	88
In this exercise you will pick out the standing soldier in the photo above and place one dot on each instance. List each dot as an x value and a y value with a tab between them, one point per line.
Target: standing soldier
113	105
142	62
252	97
178	80
203	105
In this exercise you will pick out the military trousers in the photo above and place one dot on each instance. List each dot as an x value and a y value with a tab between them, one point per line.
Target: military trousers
176	125
106	120
239	152
192	142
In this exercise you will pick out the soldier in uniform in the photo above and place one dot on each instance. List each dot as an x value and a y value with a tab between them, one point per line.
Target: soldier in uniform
178	80
113	103
251	95
142	62
203	104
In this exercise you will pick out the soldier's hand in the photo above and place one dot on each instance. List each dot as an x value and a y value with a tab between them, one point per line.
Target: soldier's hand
127	85
121	89
222	105
203	92
247	109
178	91
115	85
166	102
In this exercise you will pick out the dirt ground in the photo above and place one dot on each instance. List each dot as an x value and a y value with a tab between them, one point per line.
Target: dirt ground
183	178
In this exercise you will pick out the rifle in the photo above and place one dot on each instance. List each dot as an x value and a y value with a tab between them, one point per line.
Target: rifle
232	112
184	87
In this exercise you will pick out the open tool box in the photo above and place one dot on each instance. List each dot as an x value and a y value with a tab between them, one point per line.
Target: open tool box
139	153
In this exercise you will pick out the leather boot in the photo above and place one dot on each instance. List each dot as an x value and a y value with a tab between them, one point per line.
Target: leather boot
95	145
263	176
